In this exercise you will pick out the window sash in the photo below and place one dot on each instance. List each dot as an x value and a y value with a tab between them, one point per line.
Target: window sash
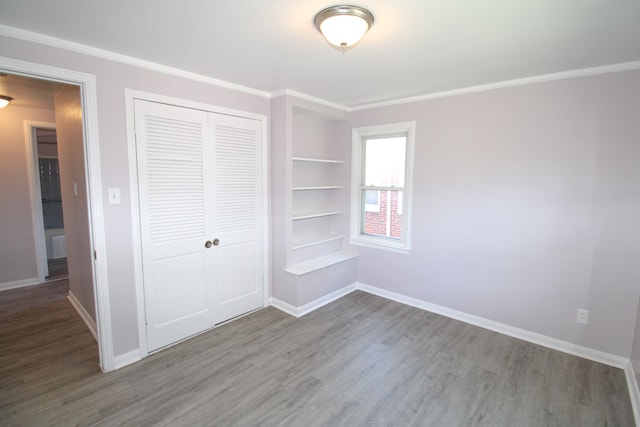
393	159
386	221
370	205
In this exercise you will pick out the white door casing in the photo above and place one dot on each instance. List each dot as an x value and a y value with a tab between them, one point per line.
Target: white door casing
200	205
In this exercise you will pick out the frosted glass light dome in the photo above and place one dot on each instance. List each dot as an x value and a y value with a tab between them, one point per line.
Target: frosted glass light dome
5	100
343	26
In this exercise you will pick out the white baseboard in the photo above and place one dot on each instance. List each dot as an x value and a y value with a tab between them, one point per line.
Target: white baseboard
313	305
19	283
127	359
91	324
523	334
634	392
283	306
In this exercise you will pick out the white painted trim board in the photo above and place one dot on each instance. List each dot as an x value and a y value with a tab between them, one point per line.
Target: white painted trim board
523	334
583	72
127	359
84	315
33	37
20	283
634	392
313	305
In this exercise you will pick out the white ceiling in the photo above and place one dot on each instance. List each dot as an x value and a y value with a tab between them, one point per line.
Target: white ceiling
415	47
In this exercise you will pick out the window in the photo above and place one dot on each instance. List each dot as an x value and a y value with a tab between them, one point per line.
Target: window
381	186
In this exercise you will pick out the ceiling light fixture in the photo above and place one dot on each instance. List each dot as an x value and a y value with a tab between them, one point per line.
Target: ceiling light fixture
343	26
5	100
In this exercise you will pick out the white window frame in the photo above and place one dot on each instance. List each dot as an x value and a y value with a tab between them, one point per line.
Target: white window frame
359	135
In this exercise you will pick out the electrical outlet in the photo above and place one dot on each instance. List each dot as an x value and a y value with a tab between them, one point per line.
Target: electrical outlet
583	316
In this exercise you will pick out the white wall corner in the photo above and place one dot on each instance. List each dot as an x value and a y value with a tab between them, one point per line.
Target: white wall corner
84	315
283	306
127	359
523	334
304	96
315	304
326	299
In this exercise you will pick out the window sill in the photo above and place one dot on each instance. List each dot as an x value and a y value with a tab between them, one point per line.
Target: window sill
376	244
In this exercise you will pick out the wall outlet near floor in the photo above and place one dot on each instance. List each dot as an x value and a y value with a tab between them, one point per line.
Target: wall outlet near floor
583	316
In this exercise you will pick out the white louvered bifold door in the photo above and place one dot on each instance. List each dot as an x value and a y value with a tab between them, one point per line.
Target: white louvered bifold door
175	179
238	214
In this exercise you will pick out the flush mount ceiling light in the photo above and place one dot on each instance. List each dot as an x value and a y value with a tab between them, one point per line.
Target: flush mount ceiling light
5	100
343	26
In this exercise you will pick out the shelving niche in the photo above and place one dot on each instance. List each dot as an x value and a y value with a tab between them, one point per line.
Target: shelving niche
316	186
317	177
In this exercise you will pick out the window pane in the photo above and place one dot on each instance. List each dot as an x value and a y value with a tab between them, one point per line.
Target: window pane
372	200
386	221
384	161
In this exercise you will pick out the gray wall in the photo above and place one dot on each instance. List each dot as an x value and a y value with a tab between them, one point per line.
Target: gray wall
75	207
17	251
526	207
112	78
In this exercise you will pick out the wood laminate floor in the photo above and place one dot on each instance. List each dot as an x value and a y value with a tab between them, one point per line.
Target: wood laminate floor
16	300
58	269
361	360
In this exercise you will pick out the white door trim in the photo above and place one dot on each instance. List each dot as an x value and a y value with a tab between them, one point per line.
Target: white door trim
130	96
36	195
88	93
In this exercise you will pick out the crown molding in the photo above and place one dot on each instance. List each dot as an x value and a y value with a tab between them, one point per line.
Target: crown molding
309	98
20	34
584	72
17	33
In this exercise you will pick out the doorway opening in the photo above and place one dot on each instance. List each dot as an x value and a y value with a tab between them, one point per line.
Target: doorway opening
46	148
86	249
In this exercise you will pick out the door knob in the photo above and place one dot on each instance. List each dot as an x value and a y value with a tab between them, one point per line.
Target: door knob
216	242
207	244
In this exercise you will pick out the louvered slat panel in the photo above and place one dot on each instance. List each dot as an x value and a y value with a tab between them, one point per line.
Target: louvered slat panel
237	180
175	180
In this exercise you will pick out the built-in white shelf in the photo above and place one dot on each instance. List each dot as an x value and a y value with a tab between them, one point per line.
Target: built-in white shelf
319	263
326	187
319	241
314	160
315	215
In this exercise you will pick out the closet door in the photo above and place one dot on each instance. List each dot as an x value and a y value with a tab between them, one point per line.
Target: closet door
238	214
175	179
